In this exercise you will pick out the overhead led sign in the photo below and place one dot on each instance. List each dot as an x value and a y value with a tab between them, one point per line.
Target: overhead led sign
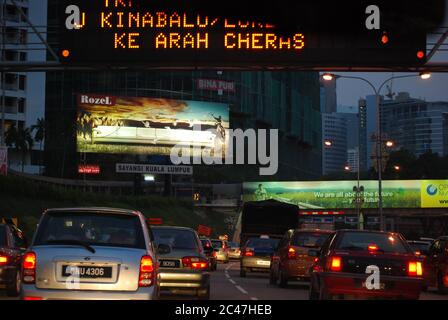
191	34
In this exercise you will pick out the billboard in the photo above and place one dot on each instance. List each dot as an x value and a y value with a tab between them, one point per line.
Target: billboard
317	195
133	125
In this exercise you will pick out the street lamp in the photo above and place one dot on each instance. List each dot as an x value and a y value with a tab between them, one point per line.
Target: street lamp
390	144
397	168
379	137
328	143
347	168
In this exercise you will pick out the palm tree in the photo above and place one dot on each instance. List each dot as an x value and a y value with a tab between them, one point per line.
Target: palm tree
39	136
21	139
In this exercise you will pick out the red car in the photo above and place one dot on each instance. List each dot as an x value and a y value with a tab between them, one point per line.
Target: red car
340	269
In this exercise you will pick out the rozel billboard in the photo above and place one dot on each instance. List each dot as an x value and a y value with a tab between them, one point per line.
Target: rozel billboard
139	125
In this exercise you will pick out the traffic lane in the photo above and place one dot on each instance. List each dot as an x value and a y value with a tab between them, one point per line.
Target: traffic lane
225	287
255	286
3	296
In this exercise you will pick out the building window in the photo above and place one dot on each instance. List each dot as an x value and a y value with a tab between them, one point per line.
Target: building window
21	105
22	83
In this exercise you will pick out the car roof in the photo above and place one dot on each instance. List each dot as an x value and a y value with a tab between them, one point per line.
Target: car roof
100	210
172	227
364	231
314	231
418	242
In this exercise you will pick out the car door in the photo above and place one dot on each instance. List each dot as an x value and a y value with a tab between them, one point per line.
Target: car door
432	263
14	250
275	261
283	252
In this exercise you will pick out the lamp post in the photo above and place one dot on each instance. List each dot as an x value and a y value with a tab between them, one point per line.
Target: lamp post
379	136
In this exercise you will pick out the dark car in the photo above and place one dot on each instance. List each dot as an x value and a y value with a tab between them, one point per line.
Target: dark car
420	248
210	252
257	254
436	265
12	247
292	259
350	257
184	269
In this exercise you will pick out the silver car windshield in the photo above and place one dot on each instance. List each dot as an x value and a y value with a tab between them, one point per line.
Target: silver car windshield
89	228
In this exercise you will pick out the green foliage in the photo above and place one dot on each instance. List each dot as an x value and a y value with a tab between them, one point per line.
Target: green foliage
26	200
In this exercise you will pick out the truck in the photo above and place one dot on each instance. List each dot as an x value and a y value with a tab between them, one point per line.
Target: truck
268	218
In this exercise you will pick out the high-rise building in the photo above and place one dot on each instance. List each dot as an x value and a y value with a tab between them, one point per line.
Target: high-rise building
416	125
24	93
328	97
334	129
353	159
287	101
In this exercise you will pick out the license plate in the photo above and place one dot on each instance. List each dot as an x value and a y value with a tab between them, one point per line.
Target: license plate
263	263
87	272
382	286
169	264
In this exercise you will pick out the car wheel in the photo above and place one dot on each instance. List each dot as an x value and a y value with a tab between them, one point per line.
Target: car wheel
313	294
283	281
440	286
323	295
272	278
243	272
204	295
14	289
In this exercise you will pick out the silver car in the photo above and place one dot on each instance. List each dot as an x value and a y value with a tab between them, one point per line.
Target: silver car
183	263
90	254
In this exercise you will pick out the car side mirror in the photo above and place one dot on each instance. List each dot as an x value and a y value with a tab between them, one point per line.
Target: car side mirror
314	253
163	249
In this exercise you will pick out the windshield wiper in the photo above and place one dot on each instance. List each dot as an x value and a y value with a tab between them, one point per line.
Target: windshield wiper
74	243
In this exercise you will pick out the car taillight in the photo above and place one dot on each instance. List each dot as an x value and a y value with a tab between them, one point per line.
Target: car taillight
415	269
248	253
32	298
3	260
373	248
29	268
215	254
147	272
336	264
195	263
291	253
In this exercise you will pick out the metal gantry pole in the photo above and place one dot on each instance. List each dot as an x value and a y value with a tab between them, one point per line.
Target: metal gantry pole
3	23
379	159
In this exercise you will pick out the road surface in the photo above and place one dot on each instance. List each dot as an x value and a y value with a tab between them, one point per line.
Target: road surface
226	284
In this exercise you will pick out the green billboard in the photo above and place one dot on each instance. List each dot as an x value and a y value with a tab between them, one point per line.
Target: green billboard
340	194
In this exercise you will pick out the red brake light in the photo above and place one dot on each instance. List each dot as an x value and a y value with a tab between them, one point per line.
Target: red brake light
291	253
336	264
194	263
146	276
214	254
32	298
248	253
29	268
373	247
3	260
415	269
